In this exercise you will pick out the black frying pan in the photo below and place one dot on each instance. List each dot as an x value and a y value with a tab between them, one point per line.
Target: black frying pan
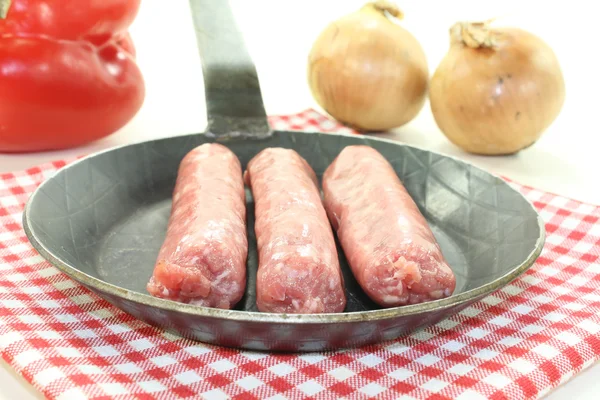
102	219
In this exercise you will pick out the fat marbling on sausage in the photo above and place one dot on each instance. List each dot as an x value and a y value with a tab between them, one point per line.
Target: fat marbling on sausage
202	260
389	246
298	270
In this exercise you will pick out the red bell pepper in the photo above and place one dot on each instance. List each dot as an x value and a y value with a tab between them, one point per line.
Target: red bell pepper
68	75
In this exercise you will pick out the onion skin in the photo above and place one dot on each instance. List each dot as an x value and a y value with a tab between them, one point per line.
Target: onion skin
496	91
368	72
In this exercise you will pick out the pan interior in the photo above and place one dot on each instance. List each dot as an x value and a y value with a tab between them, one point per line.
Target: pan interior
107	215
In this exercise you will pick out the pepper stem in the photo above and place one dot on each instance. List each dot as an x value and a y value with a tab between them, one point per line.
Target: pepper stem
472	34
4	6
386	6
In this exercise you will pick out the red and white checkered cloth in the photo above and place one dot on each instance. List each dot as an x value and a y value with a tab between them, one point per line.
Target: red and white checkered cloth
517	343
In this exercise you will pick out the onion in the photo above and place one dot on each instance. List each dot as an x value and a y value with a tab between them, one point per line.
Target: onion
368	72
496	90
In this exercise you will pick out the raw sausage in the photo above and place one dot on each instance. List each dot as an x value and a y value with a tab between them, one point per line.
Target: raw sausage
203	258
391	250
298	270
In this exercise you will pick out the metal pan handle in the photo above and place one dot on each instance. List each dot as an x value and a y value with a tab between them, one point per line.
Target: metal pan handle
234	102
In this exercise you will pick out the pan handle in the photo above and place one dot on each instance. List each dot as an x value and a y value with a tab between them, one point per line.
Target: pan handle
234	104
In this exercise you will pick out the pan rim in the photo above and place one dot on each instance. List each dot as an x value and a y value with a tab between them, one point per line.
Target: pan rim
282	318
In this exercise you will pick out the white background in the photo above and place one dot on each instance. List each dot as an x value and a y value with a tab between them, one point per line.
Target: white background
279	35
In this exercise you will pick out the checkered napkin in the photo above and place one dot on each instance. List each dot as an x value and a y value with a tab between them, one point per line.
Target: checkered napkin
517	343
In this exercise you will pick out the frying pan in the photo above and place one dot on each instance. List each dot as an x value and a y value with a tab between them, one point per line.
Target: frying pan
101	220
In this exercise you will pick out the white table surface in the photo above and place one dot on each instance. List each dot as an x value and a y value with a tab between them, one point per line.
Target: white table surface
279	35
